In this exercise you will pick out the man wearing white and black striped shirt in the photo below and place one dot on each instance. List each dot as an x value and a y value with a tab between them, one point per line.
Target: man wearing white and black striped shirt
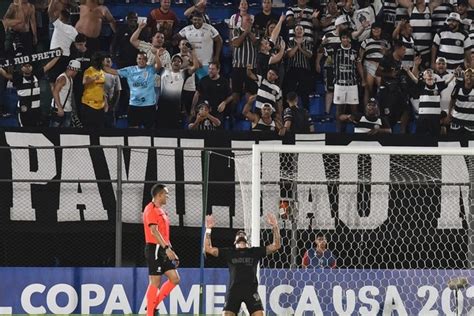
299	77
403	32
244	42
346	65
303	15
268	91
453	44
461	108
429	110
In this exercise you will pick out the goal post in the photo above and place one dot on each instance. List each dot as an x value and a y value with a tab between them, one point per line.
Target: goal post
403	214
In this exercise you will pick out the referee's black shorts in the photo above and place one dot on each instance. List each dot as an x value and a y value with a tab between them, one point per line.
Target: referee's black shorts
157	260
250	297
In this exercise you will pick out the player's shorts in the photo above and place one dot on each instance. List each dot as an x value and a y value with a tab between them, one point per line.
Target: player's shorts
235	297
157	261
346	94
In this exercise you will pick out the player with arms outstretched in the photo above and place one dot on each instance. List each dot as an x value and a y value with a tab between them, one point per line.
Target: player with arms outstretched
161	258
242	261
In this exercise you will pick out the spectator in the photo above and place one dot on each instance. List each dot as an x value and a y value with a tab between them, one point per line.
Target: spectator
28	89
204	121
123	52
151	50
328	19
268	92
162	20
296	119
21	19
272	48
393	93
172	82
62	96
364	17
142	102
262	119
94	103
299	77
389	11
112	90
371	51
346	65
200	8
236	20
429	111
461	108
262	18
92	13
441	13
331	41
453	44
420	20
54	10
319	257
403	32
3	56
303	15
80	53
63	37
370	122
189	88
244	42
443	75
205	40
42	22
214	90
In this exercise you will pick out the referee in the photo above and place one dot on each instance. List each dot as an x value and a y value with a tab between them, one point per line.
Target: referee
161	258
242	261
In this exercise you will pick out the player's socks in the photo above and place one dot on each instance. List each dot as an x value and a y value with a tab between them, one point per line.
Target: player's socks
151	303
165	290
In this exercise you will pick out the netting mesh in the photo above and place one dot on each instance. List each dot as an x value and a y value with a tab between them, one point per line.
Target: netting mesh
382	216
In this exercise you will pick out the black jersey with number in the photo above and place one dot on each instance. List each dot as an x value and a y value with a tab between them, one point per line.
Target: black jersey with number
242	264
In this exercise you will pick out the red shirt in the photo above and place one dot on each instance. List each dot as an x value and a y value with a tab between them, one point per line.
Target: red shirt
167	22
153	215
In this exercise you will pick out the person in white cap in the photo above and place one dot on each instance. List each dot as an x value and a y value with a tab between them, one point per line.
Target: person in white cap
62	96
453	44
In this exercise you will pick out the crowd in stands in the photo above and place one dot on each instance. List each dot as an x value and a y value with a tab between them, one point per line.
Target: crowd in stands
384	64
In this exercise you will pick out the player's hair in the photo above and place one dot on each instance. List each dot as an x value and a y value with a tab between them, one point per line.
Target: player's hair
217	64
240	232
157	188
65	14
143	54
320	234
291	96
345	33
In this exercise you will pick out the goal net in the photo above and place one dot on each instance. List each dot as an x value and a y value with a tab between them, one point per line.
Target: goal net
365	230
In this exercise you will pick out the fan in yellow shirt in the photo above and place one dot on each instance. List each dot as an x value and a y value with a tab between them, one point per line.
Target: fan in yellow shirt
93	97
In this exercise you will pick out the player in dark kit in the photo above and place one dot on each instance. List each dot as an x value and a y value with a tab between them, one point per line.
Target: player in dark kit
161	258
243	261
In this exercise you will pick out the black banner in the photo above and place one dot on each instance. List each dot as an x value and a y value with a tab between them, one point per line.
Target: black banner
369	218
28	59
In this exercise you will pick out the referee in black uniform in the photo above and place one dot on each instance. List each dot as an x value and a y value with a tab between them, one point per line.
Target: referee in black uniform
242	261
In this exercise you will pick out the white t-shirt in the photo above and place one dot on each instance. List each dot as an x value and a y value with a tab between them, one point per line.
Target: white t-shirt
361	15
165	58
63	36
235	21
202	39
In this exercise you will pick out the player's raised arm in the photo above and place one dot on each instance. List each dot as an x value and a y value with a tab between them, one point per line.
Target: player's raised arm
276	244
213	251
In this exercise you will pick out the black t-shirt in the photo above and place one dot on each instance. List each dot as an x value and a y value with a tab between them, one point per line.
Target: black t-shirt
126	52
213	91
299	118
261	20
389	63
242	264
2	40
262	64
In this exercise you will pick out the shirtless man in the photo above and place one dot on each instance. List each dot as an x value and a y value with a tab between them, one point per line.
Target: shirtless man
56	6
92	13
23	34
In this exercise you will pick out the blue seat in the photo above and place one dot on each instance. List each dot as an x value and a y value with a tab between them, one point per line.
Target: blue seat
242	125
11	121
316	105
11	100
325	127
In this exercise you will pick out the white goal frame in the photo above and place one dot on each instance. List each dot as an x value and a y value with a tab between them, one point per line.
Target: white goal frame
259	149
